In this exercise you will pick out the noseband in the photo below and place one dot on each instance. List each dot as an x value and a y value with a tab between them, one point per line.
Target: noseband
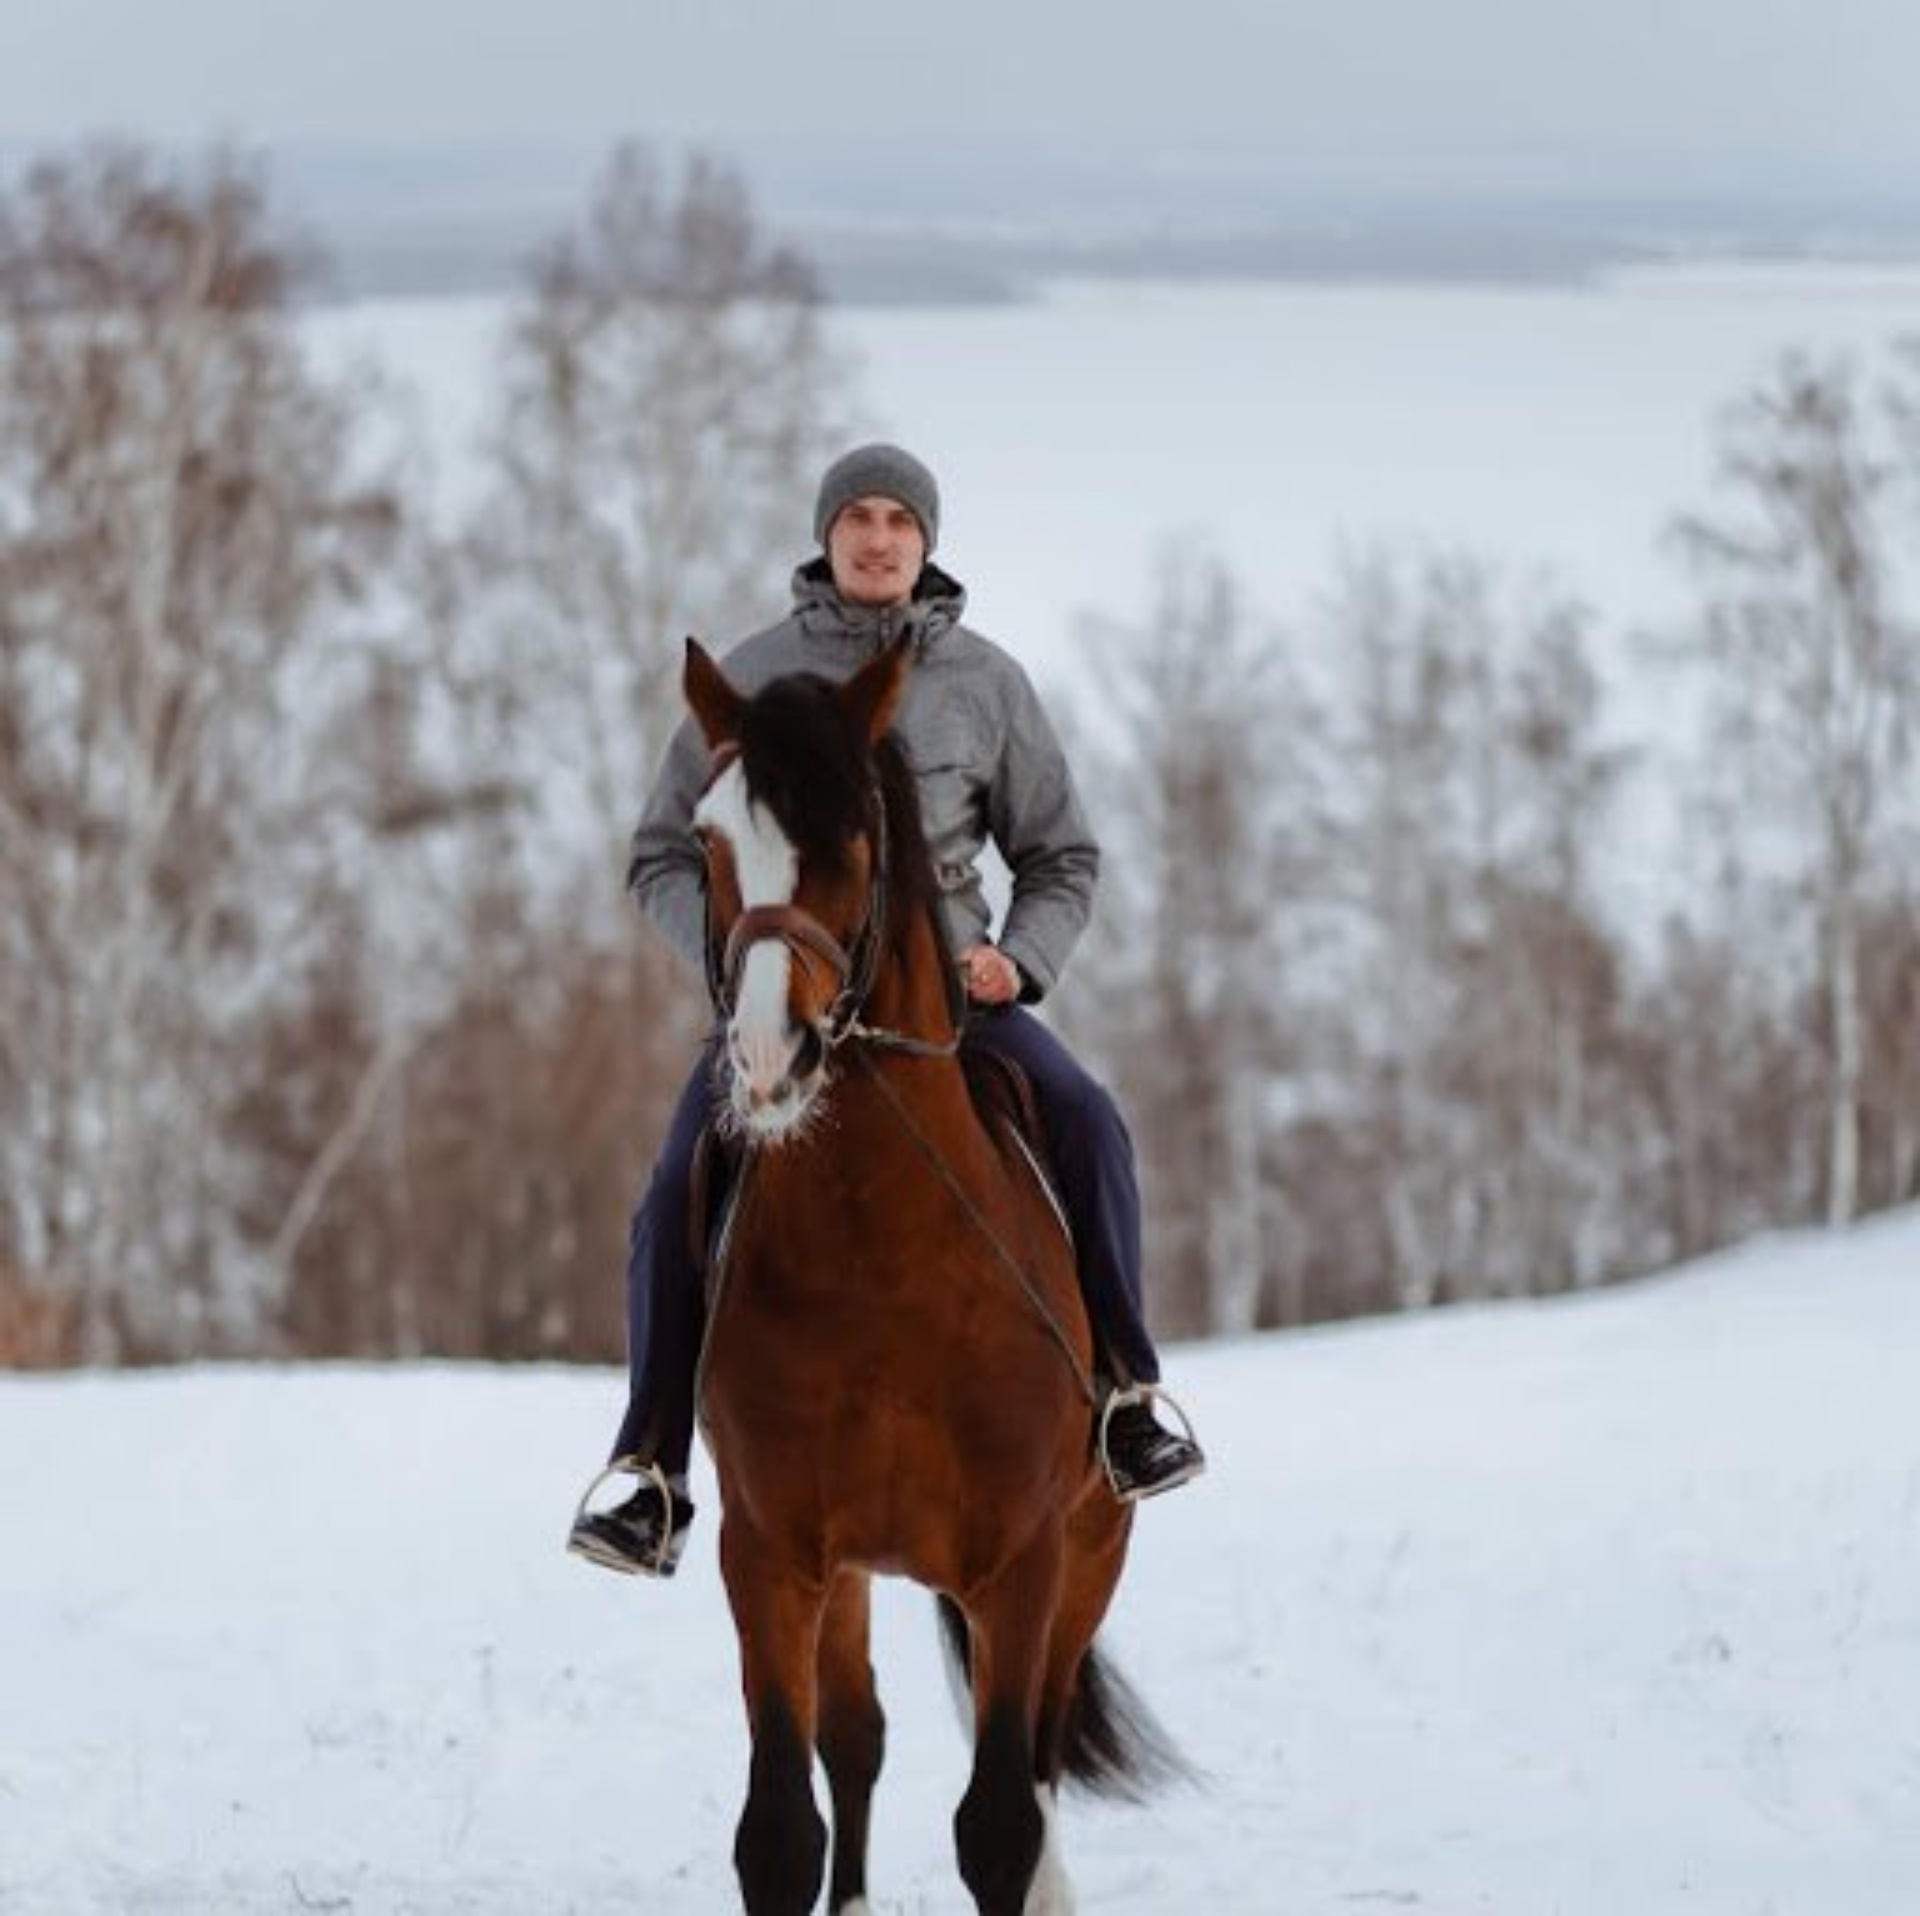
802	933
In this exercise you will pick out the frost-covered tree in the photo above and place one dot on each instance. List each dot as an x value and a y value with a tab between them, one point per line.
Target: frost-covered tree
1814	671
1350	970
1728	1078
666	398
1481	979
668	395
182	537
1201	757
1401	827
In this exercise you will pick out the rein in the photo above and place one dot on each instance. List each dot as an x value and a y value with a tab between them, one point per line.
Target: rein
958	1191
1036	1300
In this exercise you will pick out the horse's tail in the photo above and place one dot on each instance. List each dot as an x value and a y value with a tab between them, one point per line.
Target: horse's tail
1114	1744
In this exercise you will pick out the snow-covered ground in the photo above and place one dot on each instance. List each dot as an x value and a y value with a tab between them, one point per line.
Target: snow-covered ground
1274	425
1608	1607
1088	435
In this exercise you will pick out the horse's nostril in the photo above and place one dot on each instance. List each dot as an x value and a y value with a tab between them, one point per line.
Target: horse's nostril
809	1054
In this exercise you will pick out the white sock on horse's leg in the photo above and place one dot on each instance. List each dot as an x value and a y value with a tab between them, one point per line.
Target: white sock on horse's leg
1052	1892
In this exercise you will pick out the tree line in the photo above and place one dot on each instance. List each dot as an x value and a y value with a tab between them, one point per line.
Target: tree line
325	1028
1393	1028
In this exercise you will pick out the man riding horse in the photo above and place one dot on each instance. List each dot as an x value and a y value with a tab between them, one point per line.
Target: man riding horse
988	767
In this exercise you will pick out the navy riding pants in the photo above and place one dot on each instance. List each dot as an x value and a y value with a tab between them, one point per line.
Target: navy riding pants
1092	1158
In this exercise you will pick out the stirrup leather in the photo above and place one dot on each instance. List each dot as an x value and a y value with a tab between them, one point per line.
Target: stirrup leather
631	1466
1121	1400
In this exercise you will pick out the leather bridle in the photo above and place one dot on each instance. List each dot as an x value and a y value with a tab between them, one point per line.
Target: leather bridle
852	967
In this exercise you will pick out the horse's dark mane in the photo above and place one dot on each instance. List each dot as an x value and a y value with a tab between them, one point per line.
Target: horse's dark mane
807	763
914	887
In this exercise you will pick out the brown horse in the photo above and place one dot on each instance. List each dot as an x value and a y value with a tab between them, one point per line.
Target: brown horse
898	1372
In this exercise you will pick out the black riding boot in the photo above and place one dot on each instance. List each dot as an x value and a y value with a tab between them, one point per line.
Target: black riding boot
642	1537
1142	1457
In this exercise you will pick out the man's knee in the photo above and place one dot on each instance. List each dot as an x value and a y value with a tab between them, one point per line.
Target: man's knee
1080	1112
673	1169
1094	1125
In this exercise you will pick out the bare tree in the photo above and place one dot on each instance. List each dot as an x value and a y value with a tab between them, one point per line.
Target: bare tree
1401	824
180	531
1816	676
1890	1083
1201	755
1728	1074
668	394
1481	1015
1351	975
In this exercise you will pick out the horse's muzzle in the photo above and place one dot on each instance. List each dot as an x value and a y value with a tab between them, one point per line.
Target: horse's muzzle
774	1082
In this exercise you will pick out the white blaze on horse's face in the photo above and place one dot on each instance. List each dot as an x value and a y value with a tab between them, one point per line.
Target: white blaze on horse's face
762	1039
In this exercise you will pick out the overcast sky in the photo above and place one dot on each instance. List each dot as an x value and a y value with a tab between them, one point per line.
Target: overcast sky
1697	97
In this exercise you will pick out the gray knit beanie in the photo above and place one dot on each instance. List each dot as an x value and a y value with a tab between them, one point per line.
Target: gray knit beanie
887	471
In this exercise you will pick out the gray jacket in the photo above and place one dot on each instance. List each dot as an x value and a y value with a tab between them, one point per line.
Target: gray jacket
987	762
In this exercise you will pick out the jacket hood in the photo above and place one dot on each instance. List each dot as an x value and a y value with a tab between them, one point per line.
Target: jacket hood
939	600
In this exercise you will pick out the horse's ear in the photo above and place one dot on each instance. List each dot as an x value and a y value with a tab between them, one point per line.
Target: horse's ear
872	696
716	705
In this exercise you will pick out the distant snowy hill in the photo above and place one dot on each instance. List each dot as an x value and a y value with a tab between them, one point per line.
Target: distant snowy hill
1608	1607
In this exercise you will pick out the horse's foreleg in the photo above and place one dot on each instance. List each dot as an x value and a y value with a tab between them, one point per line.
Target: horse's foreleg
780	1845
853	1732
1000	1828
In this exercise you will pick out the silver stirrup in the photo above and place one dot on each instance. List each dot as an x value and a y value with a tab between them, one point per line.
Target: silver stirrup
1120	1400
631	1466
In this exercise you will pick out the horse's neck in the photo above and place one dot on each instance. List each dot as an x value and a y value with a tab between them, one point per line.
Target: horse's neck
910	995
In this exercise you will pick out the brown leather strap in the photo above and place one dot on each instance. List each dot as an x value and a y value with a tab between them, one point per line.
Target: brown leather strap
791	926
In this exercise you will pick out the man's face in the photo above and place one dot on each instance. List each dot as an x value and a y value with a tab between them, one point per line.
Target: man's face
876	549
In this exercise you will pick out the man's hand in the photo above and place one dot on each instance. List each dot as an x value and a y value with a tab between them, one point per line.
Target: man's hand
992	977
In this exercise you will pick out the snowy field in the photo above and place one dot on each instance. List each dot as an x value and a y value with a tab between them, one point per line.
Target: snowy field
1082	436
1608	1607
1550	429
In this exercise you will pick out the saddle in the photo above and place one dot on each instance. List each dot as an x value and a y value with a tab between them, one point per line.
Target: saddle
1002	1097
